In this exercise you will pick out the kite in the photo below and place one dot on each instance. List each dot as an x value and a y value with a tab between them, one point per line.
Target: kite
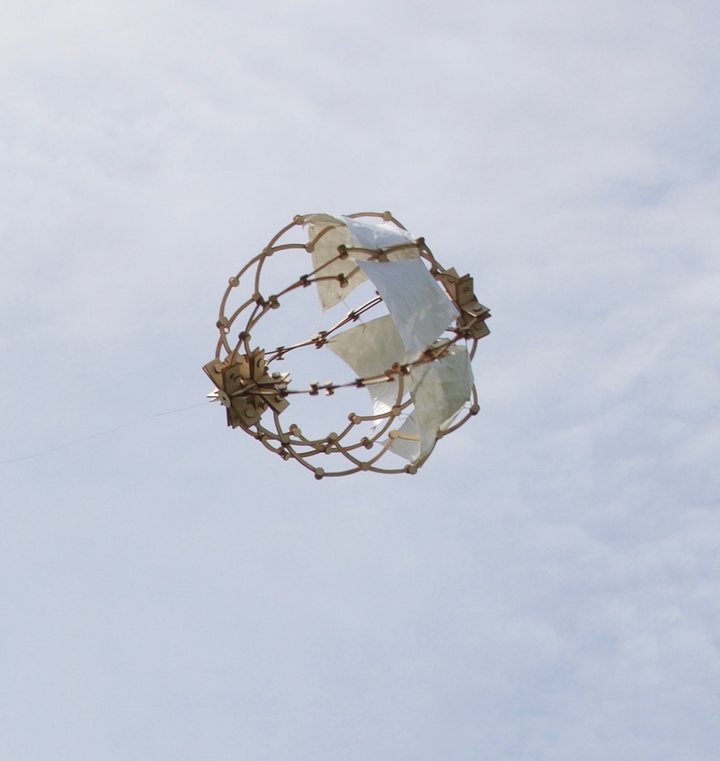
397	324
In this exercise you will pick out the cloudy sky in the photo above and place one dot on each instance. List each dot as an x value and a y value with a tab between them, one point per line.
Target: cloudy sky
547	587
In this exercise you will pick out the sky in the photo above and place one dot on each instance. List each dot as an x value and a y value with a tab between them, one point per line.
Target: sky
547	587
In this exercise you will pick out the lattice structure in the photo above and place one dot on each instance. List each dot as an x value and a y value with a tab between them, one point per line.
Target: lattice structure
421	389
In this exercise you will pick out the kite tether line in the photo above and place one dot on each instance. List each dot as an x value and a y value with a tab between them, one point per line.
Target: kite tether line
75	442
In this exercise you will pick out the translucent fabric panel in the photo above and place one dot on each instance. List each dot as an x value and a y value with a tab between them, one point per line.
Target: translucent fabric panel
328	267
370	349
376	236
439	390
351	233
419	307
407	442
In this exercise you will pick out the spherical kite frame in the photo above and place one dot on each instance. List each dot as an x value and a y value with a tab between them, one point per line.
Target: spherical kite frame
248	389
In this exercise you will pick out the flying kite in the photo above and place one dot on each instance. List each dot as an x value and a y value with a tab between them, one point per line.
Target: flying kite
406	333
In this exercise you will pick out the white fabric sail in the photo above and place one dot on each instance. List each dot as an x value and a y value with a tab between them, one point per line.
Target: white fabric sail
370	349
419	313
439	389
372	235
328	267
351	233
376	236
419	307
405	441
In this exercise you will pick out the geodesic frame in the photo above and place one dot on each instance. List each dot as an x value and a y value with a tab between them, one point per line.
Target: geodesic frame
255	398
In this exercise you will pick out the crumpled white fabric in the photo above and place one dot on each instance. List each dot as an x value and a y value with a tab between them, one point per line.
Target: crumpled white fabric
370	349
351	233
419	307
439	389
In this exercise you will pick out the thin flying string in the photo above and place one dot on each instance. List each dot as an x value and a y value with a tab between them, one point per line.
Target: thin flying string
103	433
